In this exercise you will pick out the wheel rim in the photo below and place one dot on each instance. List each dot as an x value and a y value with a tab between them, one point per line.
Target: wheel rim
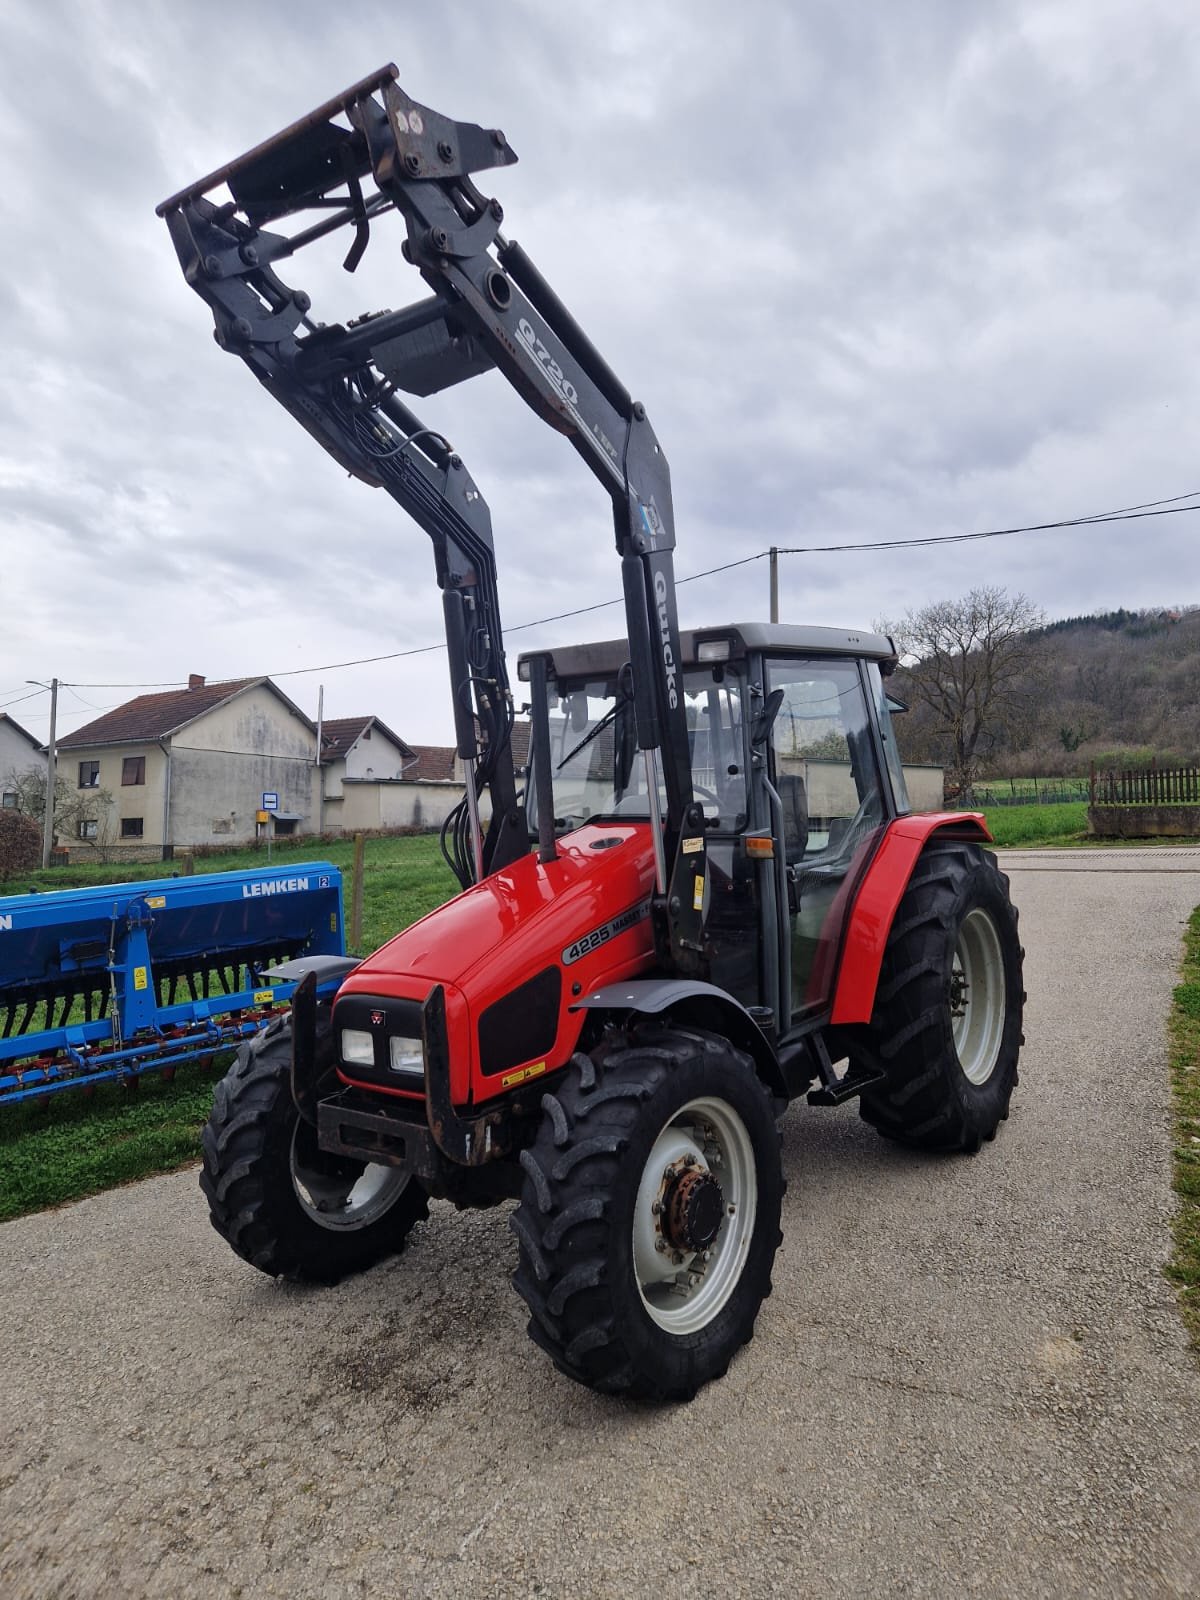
703	1150
341	1195
977	999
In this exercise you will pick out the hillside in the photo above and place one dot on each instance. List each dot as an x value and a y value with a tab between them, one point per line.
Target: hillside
1119	686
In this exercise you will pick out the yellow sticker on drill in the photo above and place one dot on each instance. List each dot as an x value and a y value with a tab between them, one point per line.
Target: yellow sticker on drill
698	892
263	997
141	978
156	901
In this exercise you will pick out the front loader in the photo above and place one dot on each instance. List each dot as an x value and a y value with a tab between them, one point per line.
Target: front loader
709	899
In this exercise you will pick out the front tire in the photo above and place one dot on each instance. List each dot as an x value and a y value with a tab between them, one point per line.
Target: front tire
946	1027
649	1217
284	1205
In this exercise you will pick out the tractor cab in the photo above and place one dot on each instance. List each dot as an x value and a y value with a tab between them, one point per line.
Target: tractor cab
793	764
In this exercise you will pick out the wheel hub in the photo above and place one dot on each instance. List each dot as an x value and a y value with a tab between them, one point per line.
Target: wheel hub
694	1210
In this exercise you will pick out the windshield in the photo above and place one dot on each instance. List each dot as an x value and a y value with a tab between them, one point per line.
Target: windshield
598	771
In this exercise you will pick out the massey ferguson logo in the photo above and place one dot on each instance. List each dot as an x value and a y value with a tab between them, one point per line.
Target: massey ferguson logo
378	1018
664	629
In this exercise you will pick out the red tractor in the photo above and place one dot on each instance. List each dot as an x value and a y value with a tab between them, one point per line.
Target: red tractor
710	894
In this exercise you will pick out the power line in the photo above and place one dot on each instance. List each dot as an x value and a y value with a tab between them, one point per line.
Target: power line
990	533
1146	508
4	706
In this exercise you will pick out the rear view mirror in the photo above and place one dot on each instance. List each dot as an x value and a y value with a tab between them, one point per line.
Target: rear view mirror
579	712
764	721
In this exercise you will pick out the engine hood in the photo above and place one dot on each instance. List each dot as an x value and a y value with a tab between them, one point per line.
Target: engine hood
524	918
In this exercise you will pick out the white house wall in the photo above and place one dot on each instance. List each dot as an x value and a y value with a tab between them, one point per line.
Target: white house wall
223	764
17	754
368	806
374	758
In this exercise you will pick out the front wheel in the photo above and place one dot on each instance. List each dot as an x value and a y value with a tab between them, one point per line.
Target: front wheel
286	1206
649	1217
946	1027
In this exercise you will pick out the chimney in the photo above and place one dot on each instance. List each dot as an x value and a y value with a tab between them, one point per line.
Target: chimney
195	680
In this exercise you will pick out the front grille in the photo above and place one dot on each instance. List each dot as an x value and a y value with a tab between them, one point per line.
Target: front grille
522	1025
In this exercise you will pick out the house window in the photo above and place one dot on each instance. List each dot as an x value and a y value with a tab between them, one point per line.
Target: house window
133	770
89	774
9	800
131	827
88	828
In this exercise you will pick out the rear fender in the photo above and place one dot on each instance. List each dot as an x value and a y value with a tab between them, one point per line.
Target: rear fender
702	1005
879	894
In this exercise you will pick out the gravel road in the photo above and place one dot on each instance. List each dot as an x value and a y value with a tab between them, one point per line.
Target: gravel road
971	1377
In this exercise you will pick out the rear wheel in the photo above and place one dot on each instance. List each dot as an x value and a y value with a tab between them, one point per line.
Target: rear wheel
649	1218
286	1206
947	1021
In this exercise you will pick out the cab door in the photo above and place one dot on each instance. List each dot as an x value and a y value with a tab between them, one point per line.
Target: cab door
823	763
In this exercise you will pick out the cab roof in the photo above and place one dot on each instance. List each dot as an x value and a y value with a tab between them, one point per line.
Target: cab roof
775	638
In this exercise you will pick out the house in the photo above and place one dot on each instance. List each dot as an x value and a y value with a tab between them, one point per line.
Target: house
373	779
18	752
361	761
196	766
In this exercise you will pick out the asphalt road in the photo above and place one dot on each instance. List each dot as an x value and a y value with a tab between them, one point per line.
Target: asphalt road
971	1377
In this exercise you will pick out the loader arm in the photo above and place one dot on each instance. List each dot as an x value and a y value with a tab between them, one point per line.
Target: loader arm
370	151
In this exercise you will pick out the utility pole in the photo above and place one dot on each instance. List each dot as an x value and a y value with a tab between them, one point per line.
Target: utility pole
774	584
320	769
51	769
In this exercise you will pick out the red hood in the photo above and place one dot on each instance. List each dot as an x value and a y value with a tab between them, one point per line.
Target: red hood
526	915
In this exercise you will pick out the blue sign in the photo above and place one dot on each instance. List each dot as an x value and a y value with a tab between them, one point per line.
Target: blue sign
270	801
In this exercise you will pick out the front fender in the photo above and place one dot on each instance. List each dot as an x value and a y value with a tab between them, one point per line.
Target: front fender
879	894
702	1004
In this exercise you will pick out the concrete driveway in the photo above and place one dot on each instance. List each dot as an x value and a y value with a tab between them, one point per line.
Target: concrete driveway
971	1377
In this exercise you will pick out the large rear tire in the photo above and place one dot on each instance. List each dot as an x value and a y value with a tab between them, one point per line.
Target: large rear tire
649	1217
946	1027
285	1206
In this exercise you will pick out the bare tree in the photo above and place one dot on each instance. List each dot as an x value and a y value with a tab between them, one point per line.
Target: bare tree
80	815
974	667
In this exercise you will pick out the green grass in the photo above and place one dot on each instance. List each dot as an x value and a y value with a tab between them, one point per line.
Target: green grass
1184	1268
68	1145
1038	824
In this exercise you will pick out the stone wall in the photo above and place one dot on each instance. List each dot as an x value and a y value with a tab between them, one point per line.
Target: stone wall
1144	822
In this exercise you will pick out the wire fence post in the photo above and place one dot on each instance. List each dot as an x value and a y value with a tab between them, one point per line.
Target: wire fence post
356	893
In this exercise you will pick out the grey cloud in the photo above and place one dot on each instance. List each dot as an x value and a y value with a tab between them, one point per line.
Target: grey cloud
877	272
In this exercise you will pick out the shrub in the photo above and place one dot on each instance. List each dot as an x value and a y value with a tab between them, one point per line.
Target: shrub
20	844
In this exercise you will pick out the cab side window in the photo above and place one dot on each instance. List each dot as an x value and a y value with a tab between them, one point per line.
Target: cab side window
824	770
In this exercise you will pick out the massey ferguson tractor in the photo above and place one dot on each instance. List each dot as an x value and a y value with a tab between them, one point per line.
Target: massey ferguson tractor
709	897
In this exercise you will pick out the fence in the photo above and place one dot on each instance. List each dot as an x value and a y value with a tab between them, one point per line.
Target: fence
1148	786
1032	792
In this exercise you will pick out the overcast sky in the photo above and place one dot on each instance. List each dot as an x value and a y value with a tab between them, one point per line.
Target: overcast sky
877	272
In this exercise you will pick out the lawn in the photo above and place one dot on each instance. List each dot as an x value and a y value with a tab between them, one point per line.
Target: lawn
1038	824
403	879
1185	1079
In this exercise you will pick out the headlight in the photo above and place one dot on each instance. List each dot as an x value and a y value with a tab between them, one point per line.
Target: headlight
406	1056
358	1047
